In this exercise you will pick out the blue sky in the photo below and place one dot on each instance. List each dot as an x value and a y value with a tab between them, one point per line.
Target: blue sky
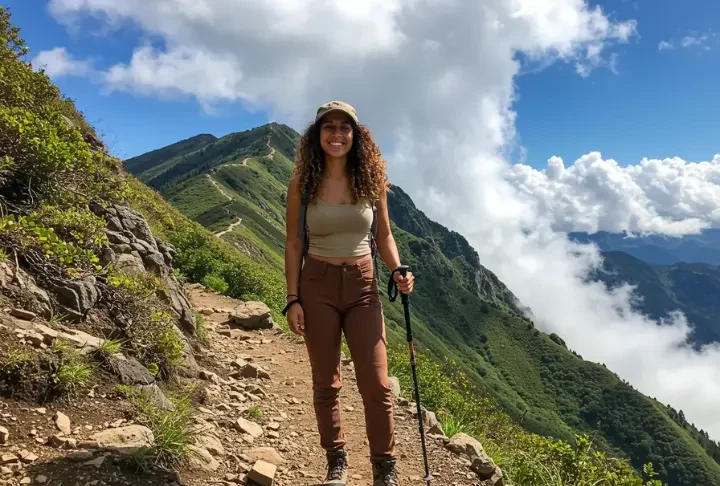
657	104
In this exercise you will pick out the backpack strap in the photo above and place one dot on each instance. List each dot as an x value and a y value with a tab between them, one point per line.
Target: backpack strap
373	240
302	224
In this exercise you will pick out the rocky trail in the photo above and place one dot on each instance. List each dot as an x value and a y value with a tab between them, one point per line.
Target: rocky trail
255	422
230	227
217	186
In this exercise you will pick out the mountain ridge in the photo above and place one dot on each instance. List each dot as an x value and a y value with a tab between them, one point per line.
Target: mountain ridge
461	309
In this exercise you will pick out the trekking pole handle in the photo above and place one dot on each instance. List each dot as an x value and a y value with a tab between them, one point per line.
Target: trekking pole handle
402	270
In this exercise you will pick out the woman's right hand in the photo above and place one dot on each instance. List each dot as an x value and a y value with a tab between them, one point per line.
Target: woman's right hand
296	319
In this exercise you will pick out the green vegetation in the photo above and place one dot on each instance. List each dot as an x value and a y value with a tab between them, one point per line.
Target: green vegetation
692	288
72	369
172	429
460	311
526	459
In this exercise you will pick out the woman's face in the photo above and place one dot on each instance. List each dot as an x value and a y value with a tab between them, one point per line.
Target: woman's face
336	134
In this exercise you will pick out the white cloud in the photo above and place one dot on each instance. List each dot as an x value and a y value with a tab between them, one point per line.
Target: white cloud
57	63
434	79
702	41
669	196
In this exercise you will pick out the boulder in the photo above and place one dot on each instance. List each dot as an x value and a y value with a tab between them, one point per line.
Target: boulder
131	372
124	440
180	305
130	263
464	444
252	316
76	297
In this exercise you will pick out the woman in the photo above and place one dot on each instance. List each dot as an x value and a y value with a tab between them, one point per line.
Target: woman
339	176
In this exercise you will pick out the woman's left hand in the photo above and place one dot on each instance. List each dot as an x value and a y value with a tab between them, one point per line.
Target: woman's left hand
405	284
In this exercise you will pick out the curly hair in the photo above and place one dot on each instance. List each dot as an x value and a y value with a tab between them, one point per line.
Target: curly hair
365	165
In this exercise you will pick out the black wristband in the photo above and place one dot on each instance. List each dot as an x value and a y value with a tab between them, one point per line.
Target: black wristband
289	304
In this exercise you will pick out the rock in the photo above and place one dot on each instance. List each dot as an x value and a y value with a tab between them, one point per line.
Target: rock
253	371
267	454
117	238
22	314
124	440
156	395
395	386
80	456
4	435
97	462
252	316
212	444
436	430
263	473
464	444
239	362
189	367
429	418
131	372
28	457
231	333
155	262
210	376
61	442
62	422
107	256
248	427
76	297
8	458
180	305
40	479
167	250
201	459
130	263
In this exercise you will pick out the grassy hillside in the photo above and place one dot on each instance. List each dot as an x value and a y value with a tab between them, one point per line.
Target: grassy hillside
462	313
693	288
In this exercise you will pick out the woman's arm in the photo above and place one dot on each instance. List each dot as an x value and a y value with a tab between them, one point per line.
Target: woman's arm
293	244
385	240
388	248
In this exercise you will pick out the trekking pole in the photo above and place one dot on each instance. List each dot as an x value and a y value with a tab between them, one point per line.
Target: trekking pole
392	294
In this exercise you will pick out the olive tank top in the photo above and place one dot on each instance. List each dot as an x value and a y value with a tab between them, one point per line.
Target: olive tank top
339	230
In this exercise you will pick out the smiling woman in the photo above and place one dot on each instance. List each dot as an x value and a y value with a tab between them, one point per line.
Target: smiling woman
337	194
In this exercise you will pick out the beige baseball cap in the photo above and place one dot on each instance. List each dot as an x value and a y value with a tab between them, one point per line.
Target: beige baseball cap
336	106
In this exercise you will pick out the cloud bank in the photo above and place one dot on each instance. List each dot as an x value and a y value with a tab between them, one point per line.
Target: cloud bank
434	81
669	196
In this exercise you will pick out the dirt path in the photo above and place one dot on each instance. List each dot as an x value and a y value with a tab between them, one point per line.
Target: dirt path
241	419
230	227
284	357
217	186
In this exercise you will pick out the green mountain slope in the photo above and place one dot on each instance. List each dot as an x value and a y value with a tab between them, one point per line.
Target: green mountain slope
693	288
461	311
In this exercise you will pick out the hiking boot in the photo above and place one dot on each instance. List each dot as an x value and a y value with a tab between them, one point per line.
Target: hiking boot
337	468
385	474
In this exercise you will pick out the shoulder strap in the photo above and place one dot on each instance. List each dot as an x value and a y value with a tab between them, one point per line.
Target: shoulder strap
373	237
302	224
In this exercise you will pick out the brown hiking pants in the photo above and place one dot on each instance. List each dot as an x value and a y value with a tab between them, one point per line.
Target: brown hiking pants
344	298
